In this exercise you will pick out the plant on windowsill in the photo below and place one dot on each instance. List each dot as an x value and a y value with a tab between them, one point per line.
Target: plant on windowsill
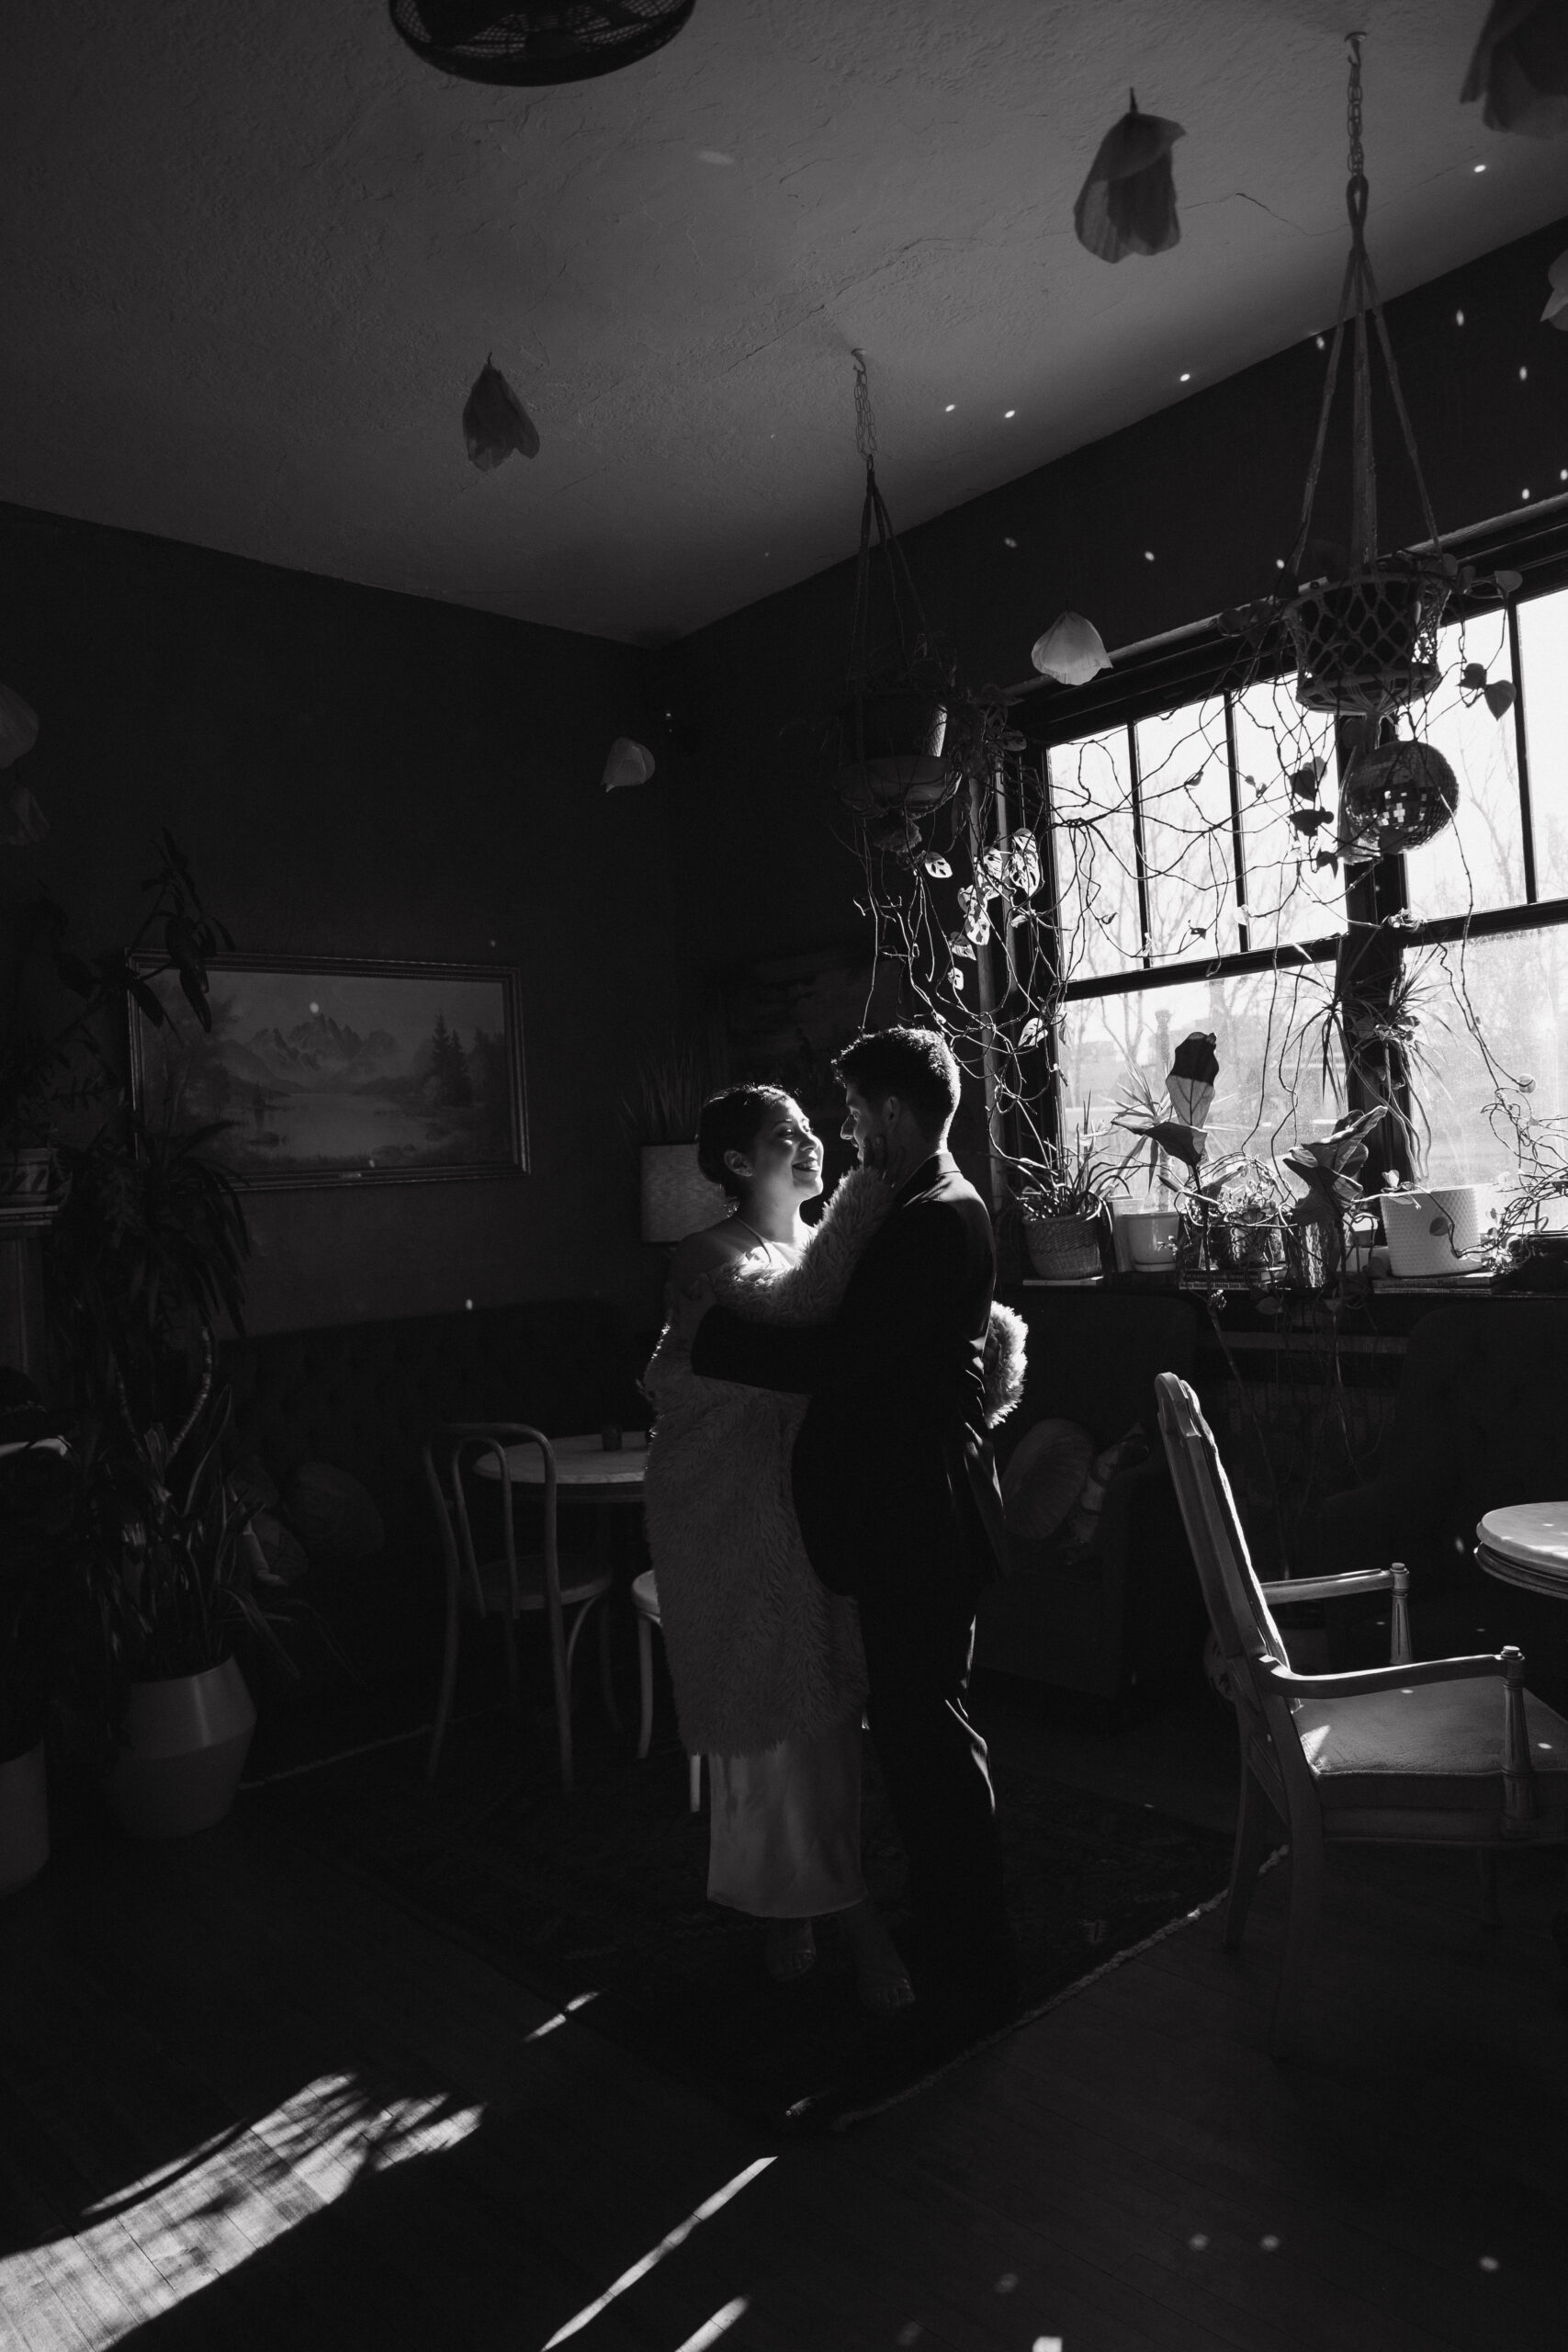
1064	1208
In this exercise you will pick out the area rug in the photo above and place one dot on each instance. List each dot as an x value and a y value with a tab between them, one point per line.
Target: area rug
602	1895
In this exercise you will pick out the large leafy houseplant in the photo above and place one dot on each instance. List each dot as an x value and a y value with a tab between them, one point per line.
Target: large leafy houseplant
142	1263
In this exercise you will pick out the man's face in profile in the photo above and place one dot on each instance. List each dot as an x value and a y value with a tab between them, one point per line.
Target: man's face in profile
865	1127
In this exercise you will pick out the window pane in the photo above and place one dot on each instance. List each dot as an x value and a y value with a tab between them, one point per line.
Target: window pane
1288	898
1510	990
1268	1028
1477	862
1543	657
1091	811
1185	795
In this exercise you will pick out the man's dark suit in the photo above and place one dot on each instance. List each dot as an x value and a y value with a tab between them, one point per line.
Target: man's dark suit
896	1495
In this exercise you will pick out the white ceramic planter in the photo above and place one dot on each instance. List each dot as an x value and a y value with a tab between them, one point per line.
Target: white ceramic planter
1148	1238
24	1820
1438	1232
188	1740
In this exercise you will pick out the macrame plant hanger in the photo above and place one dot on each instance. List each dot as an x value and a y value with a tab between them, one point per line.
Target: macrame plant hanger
894	723
1366	645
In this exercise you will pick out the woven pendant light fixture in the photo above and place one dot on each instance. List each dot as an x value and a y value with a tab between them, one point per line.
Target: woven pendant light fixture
535	43
1365	645
891	762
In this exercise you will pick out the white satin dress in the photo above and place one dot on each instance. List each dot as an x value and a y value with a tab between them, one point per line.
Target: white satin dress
784	1834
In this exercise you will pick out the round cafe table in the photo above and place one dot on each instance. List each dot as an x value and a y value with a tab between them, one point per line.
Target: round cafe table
585	1472
1526	1544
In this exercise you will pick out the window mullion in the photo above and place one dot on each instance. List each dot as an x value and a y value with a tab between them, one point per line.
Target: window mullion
1139	860
1238	862
1521	751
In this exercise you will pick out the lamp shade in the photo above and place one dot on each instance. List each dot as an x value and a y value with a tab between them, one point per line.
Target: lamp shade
677	1198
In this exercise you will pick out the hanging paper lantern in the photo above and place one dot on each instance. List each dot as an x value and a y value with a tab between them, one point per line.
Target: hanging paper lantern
1127	205
1072	651
495	421
18	725
1556	309
1520	68
628	762
22	821
1395	797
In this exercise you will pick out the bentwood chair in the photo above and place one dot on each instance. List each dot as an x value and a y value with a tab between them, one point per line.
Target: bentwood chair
1429	1752
515	1584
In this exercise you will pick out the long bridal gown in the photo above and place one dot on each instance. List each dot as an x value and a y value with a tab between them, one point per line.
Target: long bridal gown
749	1629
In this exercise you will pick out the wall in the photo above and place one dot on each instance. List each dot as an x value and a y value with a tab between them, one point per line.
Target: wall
353	773
1209	488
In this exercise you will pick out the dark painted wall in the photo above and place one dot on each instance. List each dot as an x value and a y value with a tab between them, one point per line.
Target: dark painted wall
358	774
1211	487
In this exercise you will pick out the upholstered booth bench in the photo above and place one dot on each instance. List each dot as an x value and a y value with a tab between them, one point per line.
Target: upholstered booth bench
363	1396
1110	1601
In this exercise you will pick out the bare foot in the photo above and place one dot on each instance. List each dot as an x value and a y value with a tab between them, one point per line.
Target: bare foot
881	1978
791	1948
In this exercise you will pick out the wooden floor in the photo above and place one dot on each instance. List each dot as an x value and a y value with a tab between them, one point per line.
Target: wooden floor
245	2101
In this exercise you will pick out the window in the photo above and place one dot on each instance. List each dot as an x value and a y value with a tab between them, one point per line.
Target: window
1191	897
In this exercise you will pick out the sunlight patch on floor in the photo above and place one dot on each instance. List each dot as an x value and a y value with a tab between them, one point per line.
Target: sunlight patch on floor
171	2233
666	2245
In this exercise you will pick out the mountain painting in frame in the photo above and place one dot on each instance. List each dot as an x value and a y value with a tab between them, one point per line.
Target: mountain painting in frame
327	1071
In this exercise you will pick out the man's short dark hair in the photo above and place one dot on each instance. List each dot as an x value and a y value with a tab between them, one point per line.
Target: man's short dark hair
916	1065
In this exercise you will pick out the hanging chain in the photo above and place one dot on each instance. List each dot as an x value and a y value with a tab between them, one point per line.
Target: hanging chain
865	420
1355	159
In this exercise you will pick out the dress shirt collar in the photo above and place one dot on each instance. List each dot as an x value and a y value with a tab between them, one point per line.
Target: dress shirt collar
929	1171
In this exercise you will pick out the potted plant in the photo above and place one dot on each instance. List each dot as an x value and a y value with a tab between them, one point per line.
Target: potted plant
39	1530
144	1259
1176	1128
1329	1168
179	1579
1064	1208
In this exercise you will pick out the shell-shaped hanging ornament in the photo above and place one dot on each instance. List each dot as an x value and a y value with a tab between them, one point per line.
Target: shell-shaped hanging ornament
18	725
495	421
1556	311
1520	68
1127	205
1072	651
628	762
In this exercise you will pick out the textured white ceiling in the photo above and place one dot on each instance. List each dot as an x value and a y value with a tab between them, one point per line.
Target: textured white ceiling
256	253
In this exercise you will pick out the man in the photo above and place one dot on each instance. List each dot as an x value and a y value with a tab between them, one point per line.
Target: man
896	1492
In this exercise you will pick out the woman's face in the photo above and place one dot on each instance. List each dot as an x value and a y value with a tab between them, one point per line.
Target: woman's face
786	1157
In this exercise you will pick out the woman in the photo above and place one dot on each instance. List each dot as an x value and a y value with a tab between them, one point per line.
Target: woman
766	1664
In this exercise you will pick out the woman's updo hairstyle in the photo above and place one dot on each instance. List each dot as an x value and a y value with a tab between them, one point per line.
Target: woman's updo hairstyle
731	1122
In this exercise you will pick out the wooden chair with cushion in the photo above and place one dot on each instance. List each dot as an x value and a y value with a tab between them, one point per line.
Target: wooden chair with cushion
1408	1754
513	1584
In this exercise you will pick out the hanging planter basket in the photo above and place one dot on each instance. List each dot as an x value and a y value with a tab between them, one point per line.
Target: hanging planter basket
1368	644
1396	796
891	761
891	749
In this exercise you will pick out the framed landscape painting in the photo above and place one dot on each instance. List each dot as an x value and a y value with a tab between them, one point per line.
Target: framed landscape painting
333	1072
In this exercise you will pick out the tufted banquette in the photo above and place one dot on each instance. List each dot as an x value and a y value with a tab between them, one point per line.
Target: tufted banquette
365	1395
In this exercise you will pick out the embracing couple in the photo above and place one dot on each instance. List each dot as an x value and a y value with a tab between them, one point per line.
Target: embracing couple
823	1511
